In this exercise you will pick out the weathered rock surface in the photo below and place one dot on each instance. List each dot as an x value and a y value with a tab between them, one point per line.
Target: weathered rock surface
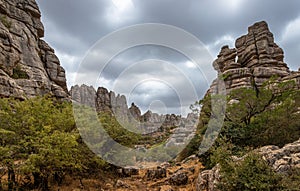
254	60
280	159
208	179
157	173
135	112
128	171
149	123
83	94
28	65
179	178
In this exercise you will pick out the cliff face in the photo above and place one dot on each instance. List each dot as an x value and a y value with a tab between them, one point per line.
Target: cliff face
107	101
255	58
28	65
148	123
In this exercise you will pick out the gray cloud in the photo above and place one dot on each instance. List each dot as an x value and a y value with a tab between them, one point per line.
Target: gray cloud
73	26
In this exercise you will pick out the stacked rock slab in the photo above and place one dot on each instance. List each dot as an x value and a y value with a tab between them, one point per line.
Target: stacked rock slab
28	65
254	60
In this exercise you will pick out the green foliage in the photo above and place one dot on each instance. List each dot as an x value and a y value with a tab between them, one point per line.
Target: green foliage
40	135
225	76
18	73
117	132
291	180
265	118
254	118
5	21
212	111
250	174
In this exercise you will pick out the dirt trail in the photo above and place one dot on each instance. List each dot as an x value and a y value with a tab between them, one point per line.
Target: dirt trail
191	168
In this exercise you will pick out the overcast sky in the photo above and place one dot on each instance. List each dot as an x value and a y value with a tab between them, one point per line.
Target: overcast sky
155	74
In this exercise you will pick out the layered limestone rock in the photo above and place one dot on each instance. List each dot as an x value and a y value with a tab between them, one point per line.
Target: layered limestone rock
83	94
280	159
148	123
135	112
28	65
254	60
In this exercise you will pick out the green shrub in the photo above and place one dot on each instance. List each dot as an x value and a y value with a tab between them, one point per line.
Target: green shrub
18	73
5	22
252	173
291	180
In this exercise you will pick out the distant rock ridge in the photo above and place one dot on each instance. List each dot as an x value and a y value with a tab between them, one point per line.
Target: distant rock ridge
107	101
254	60
28	65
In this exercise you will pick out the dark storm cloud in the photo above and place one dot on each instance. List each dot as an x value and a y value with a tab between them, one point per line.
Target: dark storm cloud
73	26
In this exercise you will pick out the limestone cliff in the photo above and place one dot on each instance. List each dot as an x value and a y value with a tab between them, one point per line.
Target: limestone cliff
254	60
28	65
148	123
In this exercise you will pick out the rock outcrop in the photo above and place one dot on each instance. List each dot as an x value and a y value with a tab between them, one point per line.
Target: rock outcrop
208	179
254	60
280	159
28	65
83	94
148	123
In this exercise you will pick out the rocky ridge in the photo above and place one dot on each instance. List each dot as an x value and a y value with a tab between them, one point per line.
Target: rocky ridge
28	65
255	59
148	123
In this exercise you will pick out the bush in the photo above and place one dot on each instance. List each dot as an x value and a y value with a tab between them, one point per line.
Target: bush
252	173
18	73
5	22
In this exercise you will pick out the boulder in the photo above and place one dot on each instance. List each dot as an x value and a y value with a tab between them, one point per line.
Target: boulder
128	171
157	173
208	179
179	178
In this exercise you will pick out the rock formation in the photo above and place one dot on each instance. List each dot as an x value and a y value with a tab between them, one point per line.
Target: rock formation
254	60
28	65
148	123
135	112
280	159
83	94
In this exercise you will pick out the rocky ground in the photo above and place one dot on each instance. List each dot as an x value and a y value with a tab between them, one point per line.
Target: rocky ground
188	175
165	177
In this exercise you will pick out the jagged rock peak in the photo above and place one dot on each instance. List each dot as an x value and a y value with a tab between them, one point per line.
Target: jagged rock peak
255	58
104	100
257	48
28	65
135	111
83	94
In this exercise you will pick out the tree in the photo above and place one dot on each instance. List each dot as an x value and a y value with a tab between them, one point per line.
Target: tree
270	116
39	134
